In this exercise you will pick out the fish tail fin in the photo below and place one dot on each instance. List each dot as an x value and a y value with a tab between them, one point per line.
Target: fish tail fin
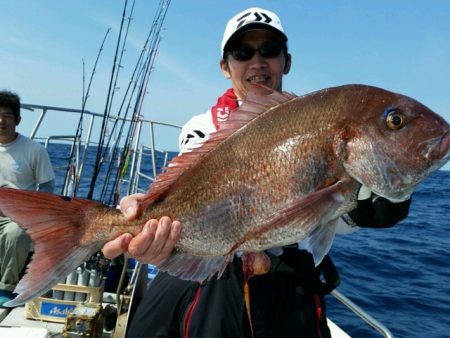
56	225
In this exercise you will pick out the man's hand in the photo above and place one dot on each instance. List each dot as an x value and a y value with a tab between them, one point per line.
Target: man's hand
153	244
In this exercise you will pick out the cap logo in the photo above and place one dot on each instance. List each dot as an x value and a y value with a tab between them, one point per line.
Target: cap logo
259	17
248	18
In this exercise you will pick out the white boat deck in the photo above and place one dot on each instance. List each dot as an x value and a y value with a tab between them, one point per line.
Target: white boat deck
14	324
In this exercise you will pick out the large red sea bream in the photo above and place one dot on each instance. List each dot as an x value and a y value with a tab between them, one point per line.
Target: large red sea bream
281	170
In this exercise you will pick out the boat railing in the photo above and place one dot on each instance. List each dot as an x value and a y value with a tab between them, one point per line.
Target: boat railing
375	324
82	140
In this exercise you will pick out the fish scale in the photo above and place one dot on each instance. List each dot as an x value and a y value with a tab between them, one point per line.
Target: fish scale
281	170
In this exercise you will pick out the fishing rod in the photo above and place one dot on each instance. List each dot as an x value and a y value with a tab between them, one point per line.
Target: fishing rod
122	52
115	87
149	66
71	172
140	68
134	79
142	77
99	158
123	157
116	144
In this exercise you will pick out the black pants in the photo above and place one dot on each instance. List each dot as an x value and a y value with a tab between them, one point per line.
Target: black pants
280	308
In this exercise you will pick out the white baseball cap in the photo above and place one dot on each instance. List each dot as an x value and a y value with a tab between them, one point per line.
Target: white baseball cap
250	19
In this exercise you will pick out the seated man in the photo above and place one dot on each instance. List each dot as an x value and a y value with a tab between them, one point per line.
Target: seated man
24	164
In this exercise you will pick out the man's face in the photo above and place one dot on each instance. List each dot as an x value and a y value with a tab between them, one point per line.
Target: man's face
8	125
267	71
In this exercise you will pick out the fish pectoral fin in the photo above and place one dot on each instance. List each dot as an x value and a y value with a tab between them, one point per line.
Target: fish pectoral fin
306	212
195	268
319	242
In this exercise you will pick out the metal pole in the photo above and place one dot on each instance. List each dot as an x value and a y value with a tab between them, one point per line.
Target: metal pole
362	314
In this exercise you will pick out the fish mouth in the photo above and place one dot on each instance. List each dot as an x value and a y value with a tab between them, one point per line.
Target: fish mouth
437	148
444	148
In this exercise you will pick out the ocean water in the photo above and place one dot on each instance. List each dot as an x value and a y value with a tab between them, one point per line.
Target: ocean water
103	188
400	275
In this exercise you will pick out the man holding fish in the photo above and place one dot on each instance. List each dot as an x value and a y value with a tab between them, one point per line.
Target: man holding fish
287	299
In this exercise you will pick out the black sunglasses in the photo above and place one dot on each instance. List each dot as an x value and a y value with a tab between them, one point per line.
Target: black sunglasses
269	49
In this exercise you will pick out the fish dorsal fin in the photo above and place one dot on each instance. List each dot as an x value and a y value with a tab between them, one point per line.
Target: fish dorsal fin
253	106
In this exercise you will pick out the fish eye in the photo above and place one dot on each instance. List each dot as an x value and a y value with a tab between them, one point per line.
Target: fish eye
395	120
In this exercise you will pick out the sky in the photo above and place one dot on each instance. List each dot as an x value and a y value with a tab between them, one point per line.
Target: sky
399	45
